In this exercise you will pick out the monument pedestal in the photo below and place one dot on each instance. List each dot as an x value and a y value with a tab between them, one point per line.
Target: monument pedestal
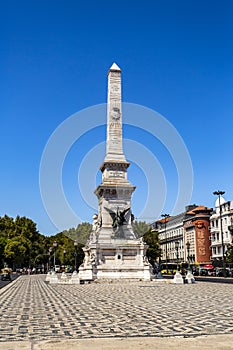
118	259
86	273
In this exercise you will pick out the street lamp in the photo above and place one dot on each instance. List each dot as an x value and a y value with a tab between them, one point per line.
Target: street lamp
177	277
177	254
219	194
75	255
188	257
54	257
64	259
189	276
160	253
165	216
159	274
50	251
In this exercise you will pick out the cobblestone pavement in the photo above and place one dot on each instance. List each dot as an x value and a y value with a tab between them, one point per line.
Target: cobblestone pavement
32	310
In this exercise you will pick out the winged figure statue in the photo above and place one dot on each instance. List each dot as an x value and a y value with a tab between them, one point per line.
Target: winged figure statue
118	217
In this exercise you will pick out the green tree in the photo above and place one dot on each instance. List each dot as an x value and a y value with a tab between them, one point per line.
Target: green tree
229	255
66	243
7	226
81	233
140	228
151	238
20	241
15	250
3	242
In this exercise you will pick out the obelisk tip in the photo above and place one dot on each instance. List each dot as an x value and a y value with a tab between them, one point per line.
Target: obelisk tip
115	68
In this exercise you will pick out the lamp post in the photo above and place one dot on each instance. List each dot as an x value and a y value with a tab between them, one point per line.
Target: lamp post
160	252
219	194
54	257
188	257
75	255
165	216
177	277
189	276
64	258
177	254
50	251
159	274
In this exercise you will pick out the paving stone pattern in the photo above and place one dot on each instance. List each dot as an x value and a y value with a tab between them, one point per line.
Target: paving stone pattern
34	310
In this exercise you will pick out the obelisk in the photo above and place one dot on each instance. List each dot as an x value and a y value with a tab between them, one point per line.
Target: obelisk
113	251
114	150
114	194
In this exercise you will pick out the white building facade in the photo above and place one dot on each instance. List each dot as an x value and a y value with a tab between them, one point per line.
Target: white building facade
221	228
170	231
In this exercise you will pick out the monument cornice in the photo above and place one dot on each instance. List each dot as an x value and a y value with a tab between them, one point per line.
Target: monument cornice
114	164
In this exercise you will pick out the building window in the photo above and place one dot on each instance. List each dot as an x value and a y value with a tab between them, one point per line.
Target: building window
216	223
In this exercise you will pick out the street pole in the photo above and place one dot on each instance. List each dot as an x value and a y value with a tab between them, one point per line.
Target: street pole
177	255
165	216
50	251
188	249
64	260
178	279
189	276
54	257
75	255
219	194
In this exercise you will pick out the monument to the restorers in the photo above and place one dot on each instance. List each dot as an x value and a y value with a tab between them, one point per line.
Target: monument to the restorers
113	251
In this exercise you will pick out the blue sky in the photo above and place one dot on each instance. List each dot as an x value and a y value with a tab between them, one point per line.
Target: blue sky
176	58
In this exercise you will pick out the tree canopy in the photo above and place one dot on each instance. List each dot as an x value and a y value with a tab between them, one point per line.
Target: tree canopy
21	245
151	238
140	228
229	254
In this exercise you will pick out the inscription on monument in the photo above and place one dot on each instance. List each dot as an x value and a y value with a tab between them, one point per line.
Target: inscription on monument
116	174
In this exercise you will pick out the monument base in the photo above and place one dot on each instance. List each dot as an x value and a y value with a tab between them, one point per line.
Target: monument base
117	259
123	273
86	273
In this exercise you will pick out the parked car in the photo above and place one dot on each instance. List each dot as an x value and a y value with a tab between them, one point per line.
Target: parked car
220	272
6	274
204	272
57	268
68	269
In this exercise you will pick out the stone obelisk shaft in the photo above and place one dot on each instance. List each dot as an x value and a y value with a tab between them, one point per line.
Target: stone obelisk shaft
114	149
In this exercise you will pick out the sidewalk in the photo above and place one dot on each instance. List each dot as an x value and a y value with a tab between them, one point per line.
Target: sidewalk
210	342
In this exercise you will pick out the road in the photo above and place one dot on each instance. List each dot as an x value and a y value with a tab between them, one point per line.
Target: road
207	279
5	283
36	311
